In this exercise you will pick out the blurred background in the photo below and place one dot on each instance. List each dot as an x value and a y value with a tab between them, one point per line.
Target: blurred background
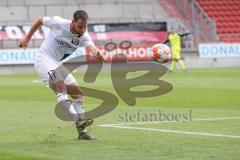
210	29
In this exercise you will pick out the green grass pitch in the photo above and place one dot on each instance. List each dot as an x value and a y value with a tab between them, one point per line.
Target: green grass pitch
29	129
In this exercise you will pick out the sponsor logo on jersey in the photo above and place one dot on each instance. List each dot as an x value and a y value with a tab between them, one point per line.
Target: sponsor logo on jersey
75	41
65	45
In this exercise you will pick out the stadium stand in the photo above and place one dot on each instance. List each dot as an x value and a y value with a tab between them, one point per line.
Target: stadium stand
194	17
13	13
226	13
27	10
23	12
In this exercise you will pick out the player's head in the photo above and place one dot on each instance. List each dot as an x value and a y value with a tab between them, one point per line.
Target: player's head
79	22
172	30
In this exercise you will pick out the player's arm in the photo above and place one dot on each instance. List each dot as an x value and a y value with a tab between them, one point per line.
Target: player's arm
35	26
96	51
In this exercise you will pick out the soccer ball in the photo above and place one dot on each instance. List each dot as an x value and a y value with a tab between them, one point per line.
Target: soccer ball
161	53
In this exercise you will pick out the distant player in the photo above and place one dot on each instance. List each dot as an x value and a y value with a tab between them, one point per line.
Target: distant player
64	38
175	42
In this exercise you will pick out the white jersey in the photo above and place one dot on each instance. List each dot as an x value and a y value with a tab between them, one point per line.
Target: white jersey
61	42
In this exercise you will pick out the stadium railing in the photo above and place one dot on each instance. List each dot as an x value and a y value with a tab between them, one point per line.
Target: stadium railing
203	26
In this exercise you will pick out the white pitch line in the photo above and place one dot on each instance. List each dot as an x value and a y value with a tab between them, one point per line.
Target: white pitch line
173	131
121	125
216	119
154	122
159	122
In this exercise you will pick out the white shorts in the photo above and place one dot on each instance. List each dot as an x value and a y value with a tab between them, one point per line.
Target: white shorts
44	64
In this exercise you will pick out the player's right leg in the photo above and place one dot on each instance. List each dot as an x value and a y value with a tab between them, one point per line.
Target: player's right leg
174	60
66	87
44	66
59	88
179	61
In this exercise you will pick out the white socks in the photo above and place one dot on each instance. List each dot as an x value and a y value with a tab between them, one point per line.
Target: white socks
62	97
76	109
79	108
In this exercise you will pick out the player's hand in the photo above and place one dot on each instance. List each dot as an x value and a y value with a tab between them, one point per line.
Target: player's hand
23	43
100	56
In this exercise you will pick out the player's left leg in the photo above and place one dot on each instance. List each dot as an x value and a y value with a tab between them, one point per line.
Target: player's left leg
77	95
180	62
182	65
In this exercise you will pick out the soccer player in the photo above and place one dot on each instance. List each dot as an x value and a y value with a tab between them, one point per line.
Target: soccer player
175	42
64	38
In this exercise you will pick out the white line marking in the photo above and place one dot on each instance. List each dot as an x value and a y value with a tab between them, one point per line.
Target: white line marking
36	81
173	131
121	126
216	119
156	122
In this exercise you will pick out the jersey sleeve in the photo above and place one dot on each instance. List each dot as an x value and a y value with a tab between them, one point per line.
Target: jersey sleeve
54	21
87	40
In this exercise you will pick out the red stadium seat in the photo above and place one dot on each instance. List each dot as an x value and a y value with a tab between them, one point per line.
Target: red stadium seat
217	8
227	18
219	30
210	13
237	3
236	7
220	18
231	24
238	18
236	29
237	24
226	13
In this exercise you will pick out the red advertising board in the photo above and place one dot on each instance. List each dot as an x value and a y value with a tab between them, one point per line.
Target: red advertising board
134	53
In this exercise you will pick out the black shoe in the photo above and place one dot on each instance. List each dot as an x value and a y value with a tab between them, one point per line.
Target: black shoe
85	135
82	124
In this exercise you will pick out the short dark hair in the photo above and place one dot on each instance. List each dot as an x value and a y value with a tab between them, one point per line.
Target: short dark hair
80	14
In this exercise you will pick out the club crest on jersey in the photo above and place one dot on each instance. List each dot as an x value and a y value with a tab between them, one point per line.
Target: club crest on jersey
75	41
